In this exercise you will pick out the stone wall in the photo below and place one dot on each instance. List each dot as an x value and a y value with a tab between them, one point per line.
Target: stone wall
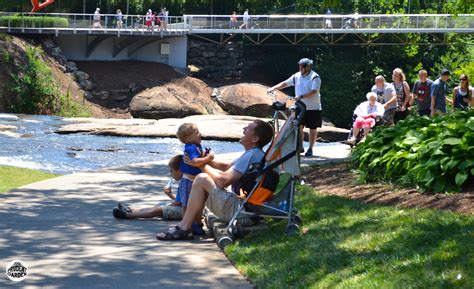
216	61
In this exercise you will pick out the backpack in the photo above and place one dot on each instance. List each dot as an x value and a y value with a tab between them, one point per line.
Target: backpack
265	188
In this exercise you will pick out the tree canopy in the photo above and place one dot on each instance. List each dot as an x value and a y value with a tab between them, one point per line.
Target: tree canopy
179	7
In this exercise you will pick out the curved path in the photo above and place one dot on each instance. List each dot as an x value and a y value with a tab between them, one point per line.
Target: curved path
63	230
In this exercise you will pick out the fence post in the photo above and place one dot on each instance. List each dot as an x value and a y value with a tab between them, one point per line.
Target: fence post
190	24
185	25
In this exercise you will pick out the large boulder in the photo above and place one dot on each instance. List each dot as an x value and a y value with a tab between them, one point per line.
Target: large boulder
249	99
80	75
179	98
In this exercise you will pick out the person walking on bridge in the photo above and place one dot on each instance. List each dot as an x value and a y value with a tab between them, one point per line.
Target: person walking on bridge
307	85
246	19
97	19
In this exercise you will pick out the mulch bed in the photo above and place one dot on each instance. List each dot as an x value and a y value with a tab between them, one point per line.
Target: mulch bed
338	179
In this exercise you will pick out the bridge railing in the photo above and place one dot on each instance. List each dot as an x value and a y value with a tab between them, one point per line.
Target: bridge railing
255	24
323	22
88	22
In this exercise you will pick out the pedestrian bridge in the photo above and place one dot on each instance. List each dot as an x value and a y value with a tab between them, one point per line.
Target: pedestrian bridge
63	23
82	38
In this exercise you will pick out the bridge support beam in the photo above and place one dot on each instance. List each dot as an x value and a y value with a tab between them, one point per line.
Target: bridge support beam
167	50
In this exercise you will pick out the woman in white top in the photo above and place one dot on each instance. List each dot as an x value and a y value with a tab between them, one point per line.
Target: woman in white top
366	113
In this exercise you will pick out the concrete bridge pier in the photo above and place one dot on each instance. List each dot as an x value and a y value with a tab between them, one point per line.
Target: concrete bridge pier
171	50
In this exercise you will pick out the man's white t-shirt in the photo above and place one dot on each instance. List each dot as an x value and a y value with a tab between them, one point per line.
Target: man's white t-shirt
246	17
303	85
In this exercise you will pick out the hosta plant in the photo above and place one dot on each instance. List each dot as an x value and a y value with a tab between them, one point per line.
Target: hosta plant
434	154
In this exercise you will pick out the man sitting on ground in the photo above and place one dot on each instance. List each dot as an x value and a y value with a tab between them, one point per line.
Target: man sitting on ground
209	187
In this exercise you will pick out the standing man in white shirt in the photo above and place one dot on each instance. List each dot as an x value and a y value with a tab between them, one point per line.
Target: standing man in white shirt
307	85
96	23
246	19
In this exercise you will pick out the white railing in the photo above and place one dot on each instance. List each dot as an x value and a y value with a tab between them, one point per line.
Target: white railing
105	22
256	23
333	22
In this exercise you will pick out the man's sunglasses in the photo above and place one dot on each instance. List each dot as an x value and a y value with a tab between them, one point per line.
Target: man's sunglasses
462	79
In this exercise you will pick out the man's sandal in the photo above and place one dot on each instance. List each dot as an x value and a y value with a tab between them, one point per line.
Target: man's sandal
119	214
175	233
124	207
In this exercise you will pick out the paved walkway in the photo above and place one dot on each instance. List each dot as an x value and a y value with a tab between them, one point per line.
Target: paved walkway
64	231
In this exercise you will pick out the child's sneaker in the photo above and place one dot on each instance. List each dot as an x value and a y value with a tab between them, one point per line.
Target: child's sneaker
197	229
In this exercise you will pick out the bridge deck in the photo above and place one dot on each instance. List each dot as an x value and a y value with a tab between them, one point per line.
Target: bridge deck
221	24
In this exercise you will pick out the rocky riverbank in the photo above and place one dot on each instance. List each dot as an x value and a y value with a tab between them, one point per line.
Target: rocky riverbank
212	127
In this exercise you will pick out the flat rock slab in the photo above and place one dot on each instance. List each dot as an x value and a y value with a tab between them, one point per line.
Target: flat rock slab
63	229
214	127
8	116
7	127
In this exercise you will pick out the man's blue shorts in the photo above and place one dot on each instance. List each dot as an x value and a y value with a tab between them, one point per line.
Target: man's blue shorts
184	189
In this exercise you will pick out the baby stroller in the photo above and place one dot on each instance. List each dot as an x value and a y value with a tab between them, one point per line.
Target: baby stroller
138	23
254	23
268	187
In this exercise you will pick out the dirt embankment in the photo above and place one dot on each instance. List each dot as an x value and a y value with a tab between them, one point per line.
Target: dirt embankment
338	179
13	58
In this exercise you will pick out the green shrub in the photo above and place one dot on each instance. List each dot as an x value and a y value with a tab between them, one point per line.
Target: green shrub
33	21
34	86
36	91
433	154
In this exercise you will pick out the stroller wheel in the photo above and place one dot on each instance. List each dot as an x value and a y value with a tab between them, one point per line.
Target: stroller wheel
236	231
292	229
224	241
297	219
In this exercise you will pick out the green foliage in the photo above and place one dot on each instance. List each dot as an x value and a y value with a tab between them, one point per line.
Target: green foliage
178	7
71	108
434	154
347	244
37	21
34	87
36	92
6	57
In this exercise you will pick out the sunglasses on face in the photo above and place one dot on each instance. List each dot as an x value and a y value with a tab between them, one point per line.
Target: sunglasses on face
462	79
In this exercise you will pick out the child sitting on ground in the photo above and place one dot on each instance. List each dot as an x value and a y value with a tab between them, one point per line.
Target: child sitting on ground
169	212
188	133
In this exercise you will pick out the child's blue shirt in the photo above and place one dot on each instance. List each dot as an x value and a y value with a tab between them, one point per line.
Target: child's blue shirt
193	151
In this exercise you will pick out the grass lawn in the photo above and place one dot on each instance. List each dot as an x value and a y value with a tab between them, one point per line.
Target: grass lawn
348	244
12	177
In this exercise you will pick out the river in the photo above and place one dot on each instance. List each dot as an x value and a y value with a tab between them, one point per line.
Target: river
40	148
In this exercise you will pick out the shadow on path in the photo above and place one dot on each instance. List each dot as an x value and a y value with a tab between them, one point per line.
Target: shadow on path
63	229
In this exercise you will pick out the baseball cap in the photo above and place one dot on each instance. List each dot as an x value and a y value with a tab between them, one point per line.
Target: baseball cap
445	72
305	61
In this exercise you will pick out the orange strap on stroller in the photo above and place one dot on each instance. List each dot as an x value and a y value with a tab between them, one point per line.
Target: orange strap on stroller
264	190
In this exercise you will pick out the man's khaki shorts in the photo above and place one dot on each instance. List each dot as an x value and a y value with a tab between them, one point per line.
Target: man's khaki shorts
223	203
172	213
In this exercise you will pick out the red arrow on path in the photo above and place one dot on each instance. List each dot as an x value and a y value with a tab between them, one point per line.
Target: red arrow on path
37	6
